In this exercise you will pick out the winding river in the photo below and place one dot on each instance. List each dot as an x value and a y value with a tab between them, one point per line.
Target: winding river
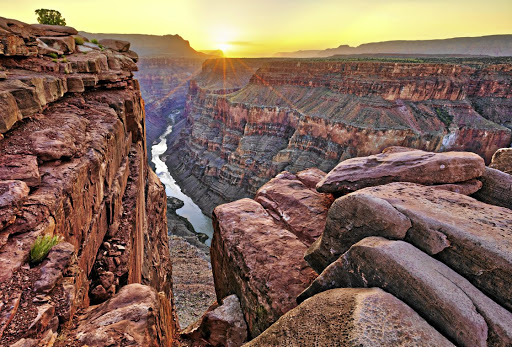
190	210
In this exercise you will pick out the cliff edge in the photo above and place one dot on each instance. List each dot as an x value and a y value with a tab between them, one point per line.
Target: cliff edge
73	164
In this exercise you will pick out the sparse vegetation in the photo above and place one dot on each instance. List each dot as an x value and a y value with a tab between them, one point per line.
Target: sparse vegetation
95	41
64	60
42	247
444	116
53	55
51	17
79	40
55	60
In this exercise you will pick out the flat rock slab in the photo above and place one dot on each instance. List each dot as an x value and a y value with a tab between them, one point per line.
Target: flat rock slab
473	238
351	317
444	298
20	167
302	209
402	166
256	258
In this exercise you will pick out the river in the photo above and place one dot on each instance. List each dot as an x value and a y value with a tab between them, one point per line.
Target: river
200	222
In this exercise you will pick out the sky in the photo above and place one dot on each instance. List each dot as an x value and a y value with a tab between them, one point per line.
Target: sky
264	27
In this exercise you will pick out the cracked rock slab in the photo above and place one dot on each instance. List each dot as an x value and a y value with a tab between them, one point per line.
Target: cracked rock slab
473	238
444	298
351	317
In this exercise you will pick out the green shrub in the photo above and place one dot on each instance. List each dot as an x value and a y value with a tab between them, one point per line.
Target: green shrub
64	60
94	41
53	55
79	40
55	60
52	17
41	247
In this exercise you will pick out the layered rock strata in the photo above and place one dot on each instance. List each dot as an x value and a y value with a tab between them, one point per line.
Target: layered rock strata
73	164
293	115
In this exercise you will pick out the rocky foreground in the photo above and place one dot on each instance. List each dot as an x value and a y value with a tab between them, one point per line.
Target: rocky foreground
390	249
73	163
247	120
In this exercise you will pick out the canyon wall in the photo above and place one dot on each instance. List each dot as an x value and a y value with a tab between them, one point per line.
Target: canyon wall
164	87
73	164
296	114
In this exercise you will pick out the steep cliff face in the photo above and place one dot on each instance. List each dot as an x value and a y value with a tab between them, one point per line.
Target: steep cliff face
73	163
296	114
164	86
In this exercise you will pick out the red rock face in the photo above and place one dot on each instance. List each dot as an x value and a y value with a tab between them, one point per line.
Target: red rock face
258	259
295	115
73	163
258	246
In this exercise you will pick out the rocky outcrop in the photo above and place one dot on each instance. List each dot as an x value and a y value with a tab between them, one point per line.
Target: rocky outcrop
256	258
447	300
73	164
402	165
293	115
438	254
258	245
452	227
351	317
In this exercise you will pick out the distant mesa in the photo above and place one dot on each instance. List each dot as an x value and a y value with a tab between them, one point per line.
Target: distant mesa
154	45
493	45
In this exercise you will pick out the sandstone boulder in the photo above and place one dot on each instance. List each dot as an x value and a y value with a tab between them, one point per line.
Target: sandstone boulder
402	166
302	209
502	160
473	238
351	317
254	257
135	316
496	188
223	325
447	300
115	45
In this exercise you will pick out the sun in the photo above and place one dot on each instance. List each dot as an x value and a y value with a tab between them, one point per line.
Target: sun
224	47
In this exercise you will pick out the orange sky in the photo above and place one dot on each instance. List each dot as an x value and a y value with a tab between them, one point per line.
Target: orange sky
264	27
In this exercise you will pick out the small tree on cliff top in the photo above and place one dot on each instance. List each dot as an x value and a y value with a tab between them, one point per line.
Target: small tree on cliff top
52	17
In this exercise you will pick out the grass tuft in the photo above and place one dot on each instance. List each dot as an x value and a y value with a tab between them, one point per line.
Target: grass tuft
41	247
79	40
94	41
